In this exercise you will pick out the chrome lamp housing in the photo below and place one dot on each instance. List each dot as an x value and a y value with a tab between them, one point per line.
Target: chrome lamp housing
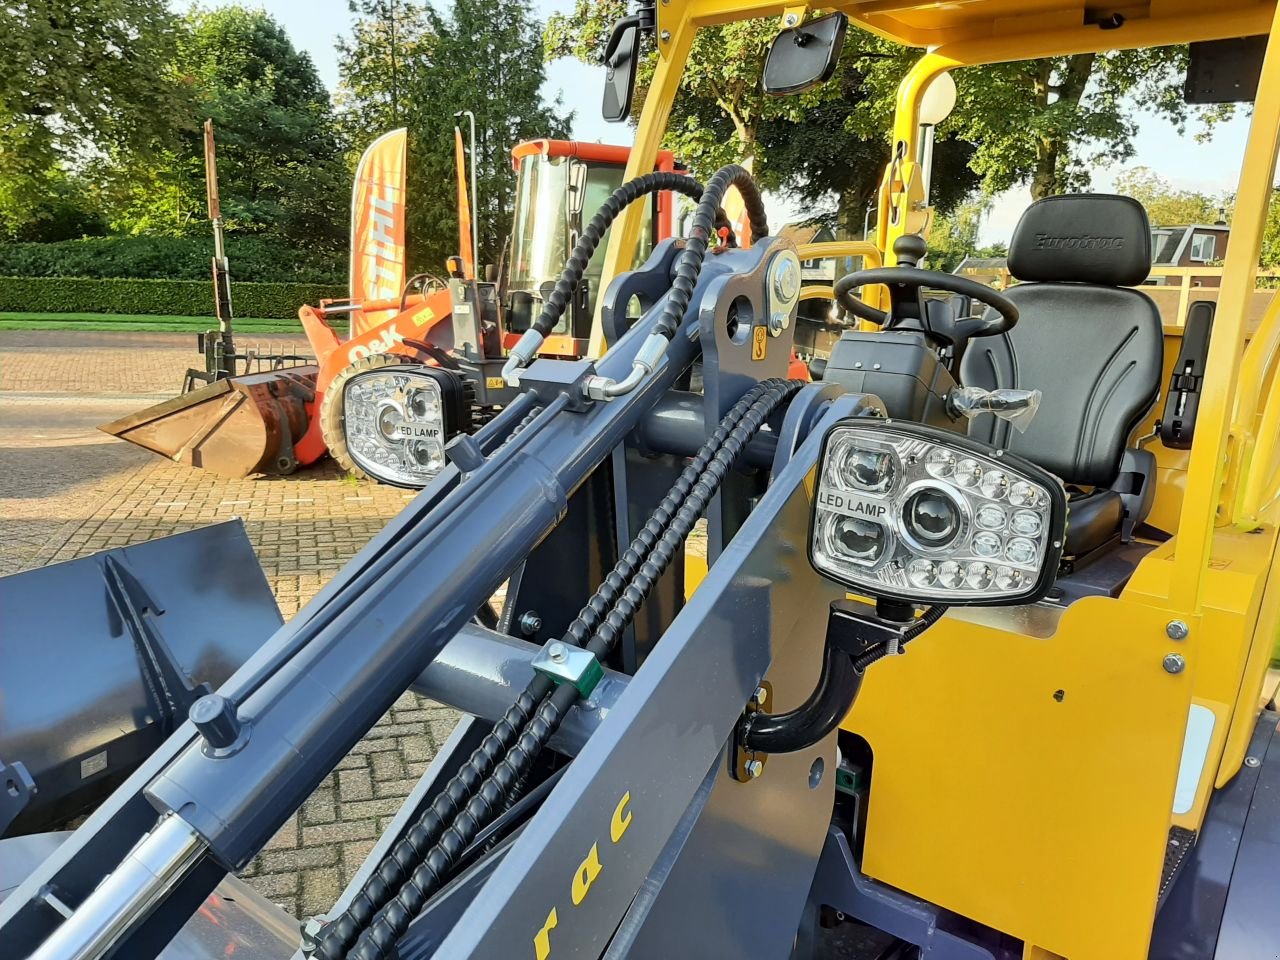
397	420
909	512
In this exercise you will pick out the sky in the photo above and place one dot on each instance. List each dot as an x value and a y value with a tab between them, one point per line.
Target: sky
314	26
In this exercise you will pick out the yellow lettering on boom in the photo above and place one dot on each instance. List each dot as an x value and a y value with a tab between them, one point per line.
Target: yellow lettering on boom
542	941
586	875
618	826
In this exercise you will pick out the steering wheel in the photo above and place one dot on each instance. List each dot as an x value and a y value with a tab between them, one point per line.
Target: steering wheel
905	284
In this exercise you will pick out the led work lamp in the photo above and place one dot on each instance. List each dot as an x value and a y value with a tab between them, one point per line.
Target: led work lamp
398	420
913	513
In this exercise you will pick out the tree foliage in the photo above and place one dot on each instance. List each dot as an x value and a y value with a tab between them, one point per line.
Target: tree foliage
77	77
1167	206
280	160
477	56
1042	123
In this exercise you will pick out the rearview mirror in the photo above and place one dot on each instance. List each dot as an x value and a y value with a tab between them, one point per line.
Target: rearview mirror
621	56
804	56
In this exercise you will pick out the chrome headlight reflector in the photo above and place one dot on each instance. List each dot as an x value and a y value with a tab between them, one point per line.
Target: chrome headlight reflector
397	420
913	513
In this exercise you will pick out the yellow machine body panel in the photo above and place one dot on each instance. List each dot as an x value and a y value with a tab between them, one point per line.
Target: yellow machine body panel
1026	781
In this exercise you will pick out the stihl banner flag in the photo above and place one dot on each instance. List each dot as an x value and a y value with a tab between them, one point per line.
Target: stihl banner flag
377	228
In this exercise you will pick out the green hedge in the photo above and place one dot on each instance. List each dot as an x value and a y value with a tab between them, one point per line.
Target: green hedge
186	298
255	259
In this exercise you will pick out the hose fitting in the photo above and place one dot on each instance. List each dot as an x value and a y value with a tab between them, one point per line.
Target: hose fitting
521	356
645	362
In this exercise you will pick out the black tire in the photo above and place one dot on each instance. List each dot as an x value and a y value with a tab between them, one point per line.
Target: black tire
333	415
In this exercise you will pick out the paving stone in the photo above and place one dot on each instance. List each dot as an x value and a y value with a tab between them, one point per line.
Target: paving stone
353	854
277	861
343	832
387	766
70	491
354	785
320	887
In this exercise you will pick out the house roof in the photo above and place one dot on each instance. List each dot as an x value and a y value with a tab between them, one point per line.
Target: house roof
799	233
983	263
1169	247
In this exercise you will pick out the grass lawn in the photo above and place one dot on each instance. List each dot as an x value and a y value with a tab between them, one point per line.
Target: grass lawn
133	323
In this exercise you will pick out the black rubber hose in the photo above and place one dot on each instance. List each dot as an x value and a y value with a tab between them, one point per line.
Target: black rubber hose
394	871
689	263
808	723
595	610
631	191
384	931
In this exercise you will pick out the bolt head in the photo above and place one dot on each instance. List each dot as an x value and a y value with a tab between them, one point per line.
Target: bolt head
1177	629
791	20
762	696
1174	663
557	652
530	623
786	279
666	36
754	768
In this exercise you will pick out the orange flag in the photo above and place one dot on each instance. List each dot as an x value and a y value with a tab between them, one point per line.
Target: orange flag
377	228
464	209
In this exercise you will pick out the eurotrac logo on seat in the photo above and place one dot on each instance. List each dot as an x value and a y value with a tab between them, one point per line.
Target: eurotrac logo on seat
1045	241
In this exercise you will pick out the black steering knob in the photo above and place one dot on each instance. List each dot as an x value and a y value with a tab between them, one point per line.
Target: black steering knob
910	249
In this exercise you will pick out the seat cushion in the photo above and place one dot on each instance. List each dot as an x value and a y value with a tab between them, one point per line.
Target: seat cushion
1092	520
1095	353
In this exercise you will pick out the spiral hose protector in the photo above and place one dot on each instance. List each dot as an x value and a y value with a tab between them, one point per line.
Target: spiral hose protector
635	592
595	610
880	651
396	867
594	232
379	938
341	932
689	263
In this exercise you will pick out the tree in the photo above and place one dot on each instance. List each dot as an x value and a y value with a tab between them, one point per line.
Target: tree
1042	122
280	161
390	44
1166	205
1046	122
820	145
475	55
954	236
79	78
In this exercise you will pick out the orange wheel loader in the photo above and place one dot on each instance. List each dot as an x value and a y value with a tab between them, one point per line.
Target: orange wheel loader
414	369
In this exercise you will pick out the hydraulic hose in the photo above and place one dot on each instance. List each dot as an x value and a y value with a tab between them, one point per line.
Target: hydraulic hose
701	228
553	309
395	869
808	723
687	270
378	940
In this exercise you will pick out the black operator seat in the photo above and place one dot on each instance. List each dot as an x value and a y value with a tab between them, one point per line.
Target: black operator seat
1095	350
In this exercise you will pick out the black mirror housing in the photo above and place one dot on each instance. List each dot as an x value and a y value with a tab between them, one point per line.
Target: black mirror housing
804	56
621	57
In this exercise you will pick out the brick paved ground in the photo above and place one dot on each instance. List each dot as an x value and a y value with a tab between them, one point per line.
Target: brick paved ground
69	491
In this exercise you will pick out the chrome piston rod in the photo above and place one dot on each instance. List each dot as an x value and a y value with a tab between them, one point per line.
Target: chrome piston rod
127	895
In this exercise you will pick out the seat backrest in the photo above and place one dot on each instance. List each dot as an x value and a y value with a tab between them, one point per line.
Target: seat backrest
1094	348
